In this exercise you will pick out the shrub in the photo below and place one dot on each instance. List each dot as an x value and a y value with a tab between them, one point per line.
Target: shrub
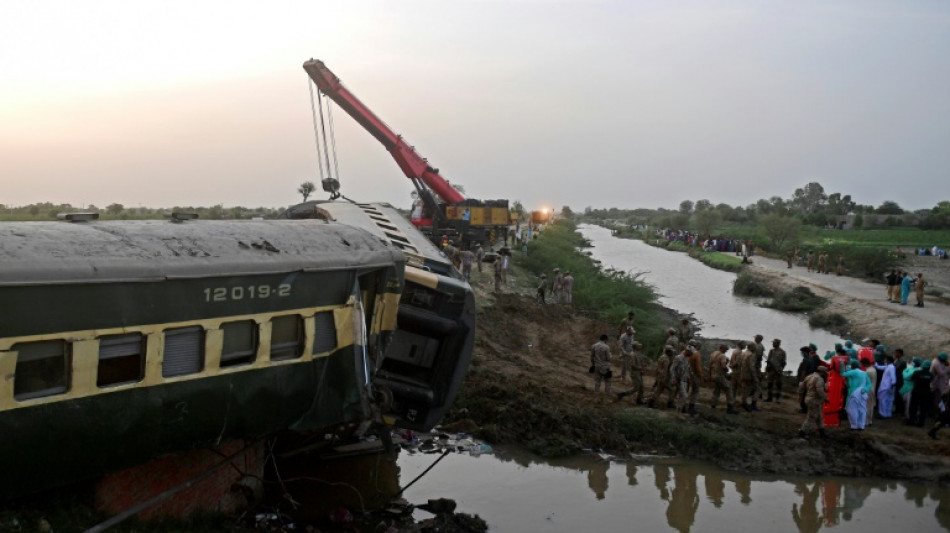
833	322
749	285
797	300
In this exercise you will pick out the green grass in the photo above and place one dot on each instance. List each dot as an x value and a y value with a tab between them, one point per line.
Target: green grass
719	261
893	237
608	294
691	440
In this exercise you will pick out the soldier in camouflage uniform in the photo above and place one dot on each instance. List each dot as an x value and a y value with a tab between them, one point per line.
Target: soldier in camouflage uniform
748	381
735	363
637	366
600	361
696	377
679	378
718	372
662	383
812	389
774	367
685	331
626	353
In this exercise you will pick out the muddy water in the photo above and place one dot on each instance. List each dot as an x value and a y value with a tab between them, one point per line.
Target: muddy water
691	287
517	492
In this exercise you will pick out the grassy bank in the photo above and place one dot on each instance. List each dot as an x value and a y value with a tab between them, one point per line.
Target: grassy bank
606	294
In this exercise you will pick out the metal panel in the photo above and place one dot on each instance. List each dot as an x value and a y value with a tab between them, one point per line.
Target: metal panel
184	351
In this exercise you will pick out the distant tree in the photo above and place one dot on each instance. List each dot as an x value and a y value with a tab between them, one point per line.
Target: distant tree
809	198
763	207
686	207
858	221
34	209
889	208
216	212
839	205
567	213
706	220
306	189
702	205
780	229
114	209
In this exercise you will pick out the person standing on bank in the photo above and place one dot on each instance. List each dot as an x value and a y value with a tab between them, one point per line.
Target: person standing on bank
774	367
467	258
479	256
906	285
626	323
662	383
567	287
812	389
499	270
600	364
718	373
626	353
919	285
859	386
637	366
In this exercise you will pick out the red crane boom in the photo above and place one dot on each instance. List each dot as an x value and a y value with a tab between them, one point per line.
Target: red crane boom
413	165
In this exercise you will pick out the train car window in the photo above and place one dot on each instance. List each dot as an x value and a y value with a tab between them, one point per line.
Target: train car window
240	343
184	351
121	359
42	369
286	340
325	338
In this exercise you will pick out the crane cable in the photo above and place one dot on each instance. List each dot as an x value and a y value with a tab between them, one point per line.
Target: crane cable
323	130
316	134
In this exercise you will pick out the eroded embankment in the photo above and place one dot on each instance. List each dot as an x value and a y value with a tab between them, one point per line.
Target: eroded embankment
528	385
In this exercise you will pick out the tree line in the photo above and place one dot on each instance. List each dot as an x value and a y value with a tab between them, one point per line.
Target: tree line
809	205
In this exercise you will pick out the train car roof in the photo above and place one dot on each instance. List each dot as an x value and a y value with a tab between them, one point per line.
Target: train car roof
141	250
385	221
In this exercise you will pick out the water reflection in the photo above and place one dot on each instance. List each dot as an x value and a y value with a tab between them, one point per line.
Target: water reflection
515	491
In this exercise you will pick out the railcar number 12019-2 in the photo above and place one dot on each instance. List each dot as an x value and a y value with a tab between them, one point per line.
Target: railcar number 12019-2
240	292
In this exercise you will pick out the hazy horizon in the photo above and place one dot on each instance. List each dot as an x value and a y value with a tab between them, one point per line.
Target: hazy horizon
578	103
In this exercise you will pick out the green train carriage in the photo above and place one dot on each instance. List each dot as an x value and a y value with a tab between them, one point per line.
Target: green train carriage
121	341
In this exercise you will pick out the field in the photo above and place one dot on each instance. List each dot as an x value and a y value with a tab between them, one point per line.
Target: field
905	237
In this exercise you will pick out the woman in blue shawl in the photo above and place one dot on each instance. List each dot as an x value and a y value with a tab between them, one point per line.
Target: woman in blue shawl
906	283
857	407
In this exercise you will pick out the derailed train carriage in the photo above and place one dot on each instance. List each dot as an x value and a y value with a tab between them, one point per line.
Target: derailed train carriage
124	340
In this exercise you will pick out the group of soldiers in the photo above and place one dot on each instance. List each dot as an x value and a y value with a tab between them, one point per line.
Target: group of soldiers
562	287
820	263
680	370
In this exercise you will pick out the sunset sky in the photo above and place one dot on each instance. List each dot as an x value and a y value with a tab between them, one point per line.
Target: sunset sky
580	103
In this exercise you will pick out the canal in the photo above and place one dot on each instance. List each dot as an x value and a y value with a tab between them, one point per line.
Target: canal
515	491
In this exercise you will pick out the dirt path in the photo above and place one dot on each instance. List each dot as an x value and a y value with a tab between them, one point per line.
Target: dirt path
528	385
923	331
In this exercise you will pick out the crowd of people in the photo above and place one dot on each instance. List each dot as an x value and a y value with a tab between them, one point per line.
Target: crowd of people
856	383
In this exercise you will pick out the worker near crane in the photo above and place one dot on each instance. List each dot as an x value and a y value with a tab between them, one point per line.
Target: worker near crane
498	272
467	258
479	255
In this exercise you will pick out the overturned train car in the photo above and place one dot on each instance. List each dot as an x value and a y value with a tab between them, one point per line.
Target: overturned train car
123	341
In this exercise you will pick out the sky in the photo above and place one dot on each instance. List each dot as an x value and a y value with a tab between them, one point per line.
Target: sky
580	103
